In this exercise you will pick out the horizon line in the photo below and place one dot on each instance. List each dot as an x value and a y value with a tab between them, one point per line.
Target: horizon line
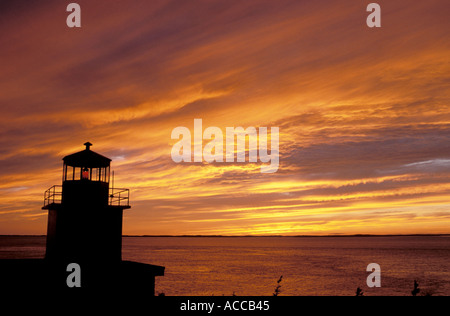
228	236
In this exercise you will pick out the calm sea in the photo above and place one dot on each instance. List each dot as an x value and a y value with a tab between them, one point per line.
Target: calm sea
253	265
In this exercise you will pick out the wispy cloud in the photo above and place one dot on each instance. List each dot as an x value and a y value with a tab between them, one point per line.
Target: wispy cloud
364	114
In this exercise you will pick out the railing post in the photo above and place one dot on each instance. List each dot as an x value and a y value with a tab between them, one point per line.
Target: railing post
117	195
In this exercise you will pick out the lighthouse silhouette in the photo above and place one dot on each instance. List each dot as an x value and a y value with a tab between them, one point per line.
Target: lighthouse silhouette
84	228
85	213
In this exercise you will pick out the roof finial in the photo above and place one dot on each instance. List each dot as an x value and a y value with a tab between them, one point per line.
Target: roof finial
88	145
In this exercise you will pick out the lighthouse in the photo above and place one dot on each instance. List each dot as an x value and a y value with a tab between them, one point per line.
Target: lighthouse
85	212
84	231
84	227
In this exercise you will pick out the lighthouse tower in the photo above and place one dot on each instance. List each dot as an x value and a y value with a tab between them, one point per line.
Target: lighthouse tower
84	227
85	213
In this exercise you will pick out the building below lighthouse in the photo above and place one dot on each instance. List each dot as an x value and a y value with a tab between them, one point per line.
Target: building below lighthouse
84	230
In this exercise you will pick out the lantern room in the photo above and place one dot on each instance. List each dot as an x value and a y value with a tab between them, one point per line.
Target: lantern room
86	165
85	178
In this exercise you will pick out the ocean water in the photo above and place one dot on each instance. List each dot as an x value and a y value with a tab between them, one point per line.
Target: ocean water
253	265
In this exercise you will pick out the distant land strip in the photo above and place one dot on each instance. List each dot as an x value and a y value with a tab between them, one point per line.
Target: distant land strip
240	236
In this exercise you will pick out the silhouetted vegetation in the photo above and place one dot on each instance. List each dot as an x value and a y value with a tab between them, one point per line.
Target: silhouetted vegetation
359	292
416	289
278	288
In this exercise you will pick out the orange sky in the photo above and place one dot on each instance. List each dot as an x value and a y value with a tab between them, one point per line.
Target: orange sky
364	114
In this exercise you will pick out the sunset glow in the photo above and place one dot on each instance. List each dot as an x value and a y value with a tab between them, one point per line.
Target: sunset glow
363	114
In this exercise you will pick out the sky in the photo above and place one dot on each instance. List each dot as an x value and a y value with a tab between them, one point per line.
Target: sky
363	113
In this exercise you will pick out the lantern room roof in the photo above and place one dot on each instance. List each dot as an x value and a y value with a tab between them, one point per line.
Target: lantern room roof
87	158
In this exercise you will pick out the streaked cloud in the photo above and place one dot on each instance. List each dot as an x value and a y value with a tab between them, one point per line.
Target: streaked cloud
364	114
